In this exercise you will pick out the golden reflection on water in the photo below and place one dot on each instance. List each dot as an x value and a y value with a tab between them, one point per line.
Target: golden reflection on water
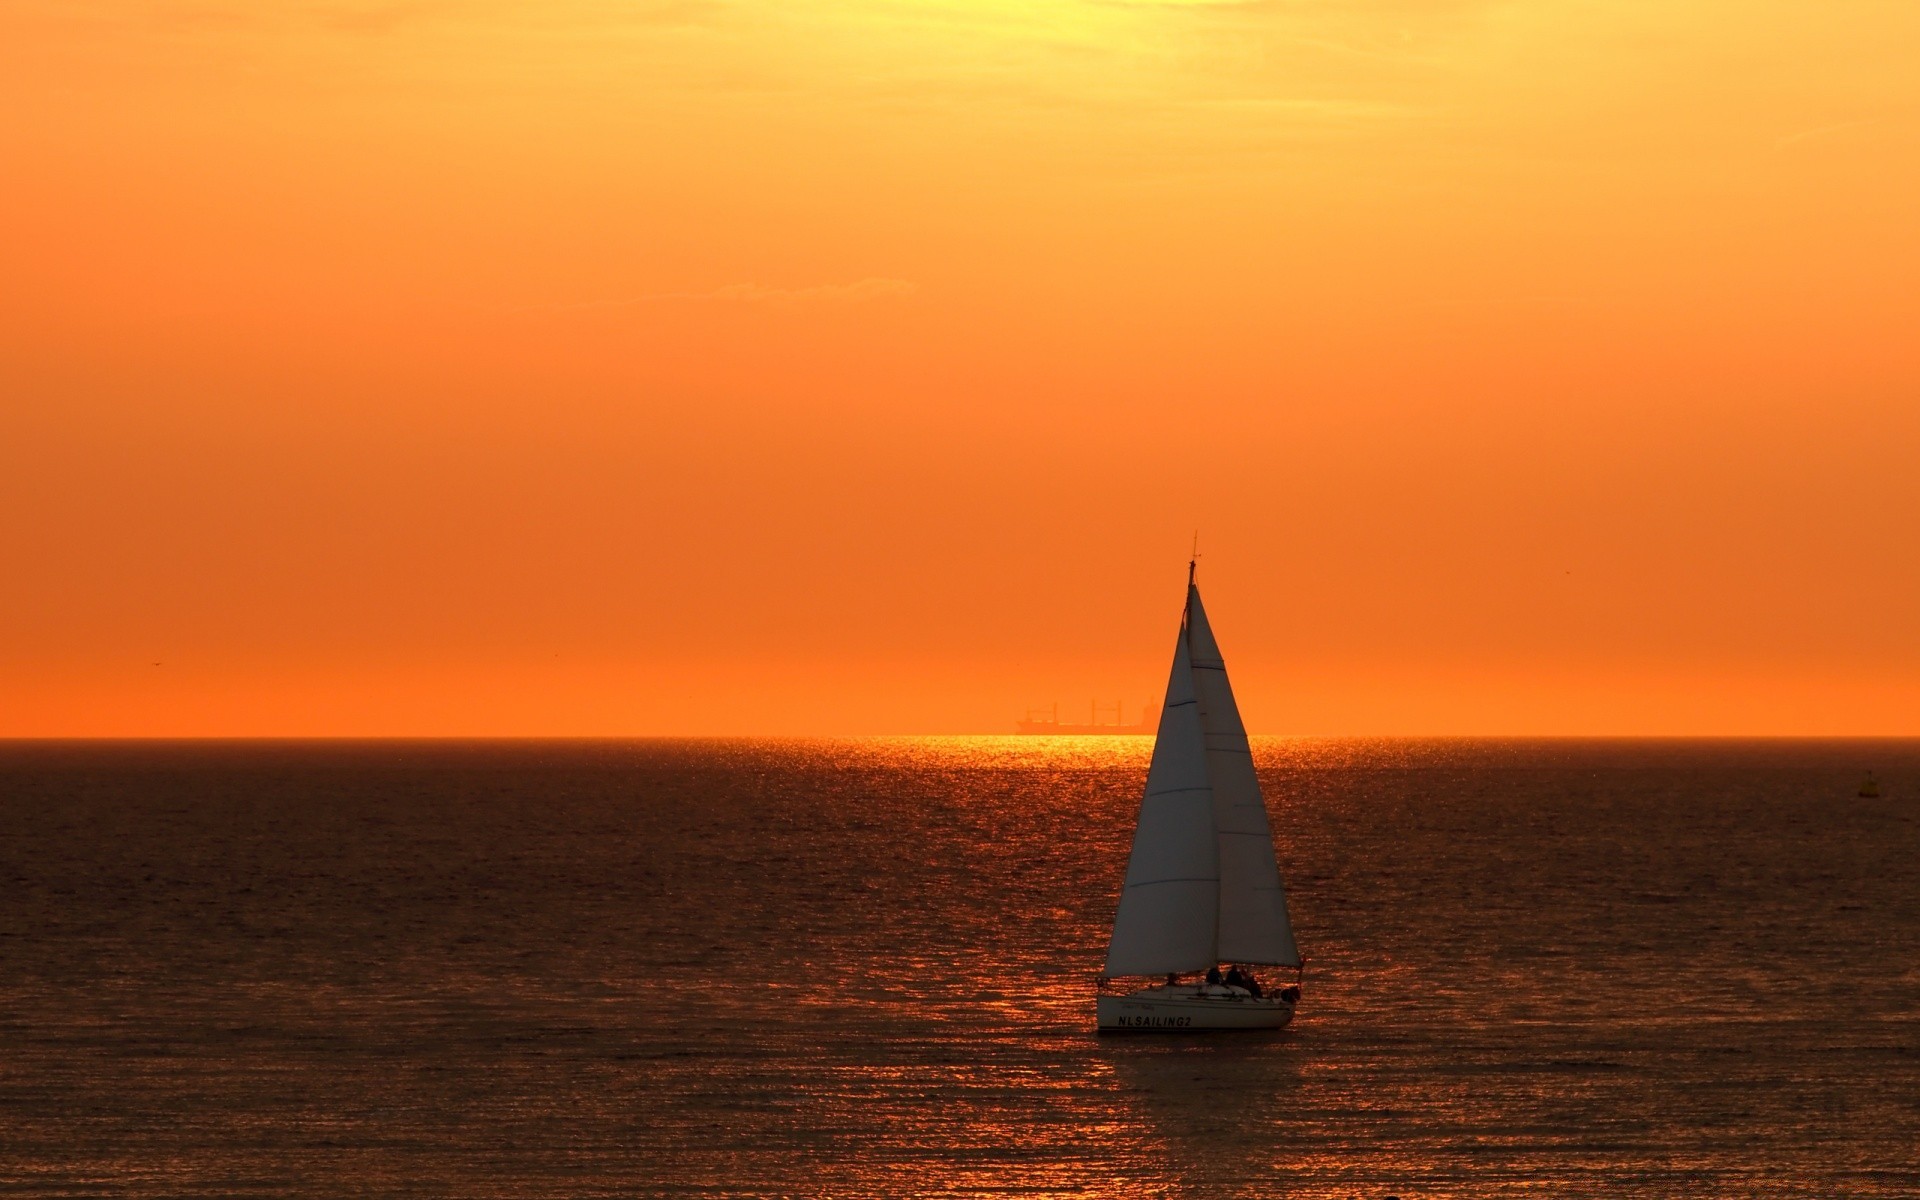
1041	752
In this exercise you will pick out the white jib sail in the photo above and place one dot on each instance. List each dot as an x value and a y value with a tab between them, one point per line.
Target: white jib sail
1253	902
1171	902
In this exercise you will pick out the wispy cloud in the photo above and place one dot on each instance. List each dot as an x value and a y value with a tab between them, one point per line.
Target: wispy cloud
872	288
382	16
859	290
1807	135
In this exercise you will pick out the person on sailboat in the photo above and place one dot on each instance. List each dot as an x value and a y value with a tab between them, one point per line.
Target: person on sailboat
1213	975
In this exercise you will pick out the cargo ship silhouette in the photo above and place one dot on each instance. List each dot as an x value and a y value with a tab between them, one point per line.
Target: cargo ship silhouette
1043	723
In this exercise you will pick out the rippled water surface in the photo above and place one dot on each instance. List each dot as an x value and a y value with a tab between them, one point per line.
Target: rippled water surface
863	968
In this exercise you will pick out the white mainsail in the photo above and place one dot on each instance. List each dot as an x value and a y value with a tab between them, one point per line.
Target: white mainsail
1253	926
1171	903
1202	883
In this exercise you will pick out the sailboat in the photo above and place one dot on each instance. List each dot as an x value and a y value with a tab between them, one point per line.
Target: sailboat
1203	887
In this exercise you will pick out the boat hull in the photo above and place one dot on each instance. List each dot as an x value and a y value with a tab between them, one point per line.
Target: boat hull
1190	1010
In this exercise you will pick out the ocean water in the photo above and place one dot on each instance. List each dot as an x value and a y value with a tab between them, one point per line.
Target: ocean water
863	968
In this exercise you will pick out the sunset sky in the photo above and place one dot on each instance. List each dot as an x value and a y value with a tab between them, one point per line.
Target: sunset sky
737	366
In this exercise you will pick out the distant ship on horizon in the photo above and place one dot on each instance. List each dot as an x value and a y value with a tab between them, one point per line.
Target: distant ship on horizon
1044	723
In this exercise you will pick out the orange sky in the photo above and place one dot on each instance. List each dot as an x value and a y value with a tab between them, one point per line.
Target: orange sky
741	366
